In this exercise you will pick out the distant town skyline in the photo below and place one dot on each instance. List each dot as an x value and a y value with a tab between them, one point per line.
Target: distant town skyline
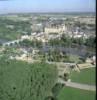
28	6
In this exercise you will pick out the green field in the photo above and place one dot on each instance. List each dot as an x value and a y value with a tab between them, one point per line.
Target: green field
86	76
74	58
75	94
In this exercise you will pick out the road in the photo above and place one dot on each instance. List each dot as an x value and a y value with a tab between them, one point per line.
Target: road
77	85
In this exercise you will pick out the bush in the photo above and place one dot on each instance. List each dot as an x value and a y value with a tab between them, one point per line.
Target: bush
56	89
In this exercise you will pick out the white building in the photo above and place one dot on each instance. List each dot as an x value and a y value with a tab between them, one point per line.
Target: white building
25	37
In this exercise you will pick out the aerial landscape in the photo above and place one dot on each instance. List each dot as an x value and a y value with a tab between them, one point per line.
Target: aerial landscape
47	50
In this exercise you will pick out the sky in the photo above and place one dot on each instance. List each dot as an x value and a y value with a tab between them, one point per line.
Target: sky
18	6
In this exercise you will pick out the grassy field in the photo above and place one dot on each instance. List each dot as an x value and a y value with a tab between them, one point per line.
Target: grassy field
74	58
86	76
75	94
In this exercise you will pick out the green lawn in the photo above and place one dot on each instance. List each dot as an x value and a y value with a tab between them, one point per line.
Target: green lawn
86	76
75	94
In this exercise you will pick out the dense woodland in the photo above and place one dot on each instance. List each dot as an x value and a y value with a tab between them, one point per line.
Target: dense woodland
23	81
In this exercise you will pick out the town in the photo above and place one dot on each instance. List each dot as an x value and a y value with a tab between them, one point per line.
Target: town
66	41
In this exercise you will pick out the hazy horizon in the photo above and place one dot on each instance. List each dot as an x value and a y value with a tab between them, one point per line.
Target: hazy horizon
46	6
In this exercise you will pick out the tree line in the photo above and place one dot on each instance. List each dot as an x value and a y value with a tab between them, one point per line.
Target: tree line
69	41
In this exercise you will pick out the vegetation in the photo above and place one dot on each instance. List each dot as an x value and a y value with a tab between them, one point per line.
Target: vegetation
64	41
91	42
86	76
68	42
56	90
74	58
11	30
54	55
29	43
58	56
8	52
23	81
67	93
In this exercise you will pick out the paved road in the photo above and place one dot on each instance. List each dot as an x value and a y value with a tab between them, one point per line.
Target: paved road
78	85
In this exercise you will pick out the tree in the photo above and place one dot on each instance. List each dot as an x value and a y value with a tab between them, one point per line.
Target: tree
23	81
91	41
66	40
56	89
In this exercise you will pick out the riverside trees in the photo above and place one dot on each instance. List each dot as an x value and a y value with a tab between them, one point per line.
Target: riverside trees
67	41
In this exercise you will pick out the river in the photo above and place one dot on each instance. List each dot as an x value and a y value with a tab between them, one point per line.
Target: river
79	50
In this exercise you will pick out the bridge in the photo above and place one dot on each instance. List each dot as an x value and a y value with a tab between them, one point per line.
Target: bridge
12	42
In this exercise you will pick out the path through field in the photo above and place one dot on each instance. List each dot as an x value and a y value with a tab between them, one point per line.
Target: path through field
77	85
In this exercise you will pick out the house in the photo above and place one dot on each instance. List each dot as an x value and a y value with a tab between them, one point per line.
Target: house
55	29
93	60
25	37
